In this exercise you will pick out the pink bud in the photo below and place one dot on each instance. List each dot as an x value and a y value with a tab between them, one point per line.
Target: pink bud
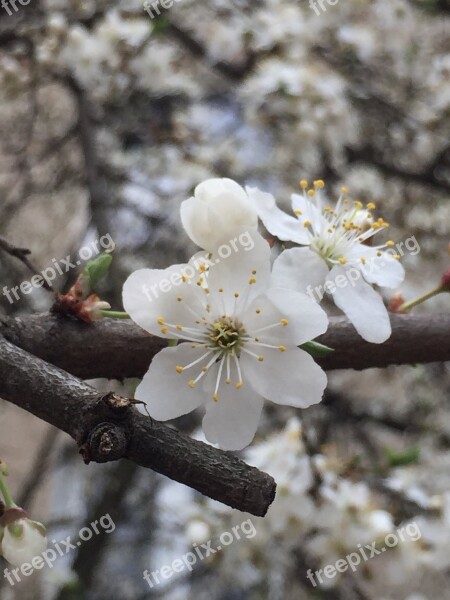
445	281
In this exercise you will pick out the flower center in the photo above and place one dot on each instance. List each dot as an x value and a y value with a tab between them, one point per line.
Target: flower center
333	232
226	335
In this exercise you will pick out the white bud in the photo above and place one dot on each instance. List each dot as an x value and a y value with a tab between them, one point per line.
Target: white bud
218	209
22	540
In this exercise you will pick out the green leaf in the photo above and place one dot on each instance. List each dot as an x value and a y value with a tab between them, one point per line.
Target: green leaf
400	459
96	269
316	350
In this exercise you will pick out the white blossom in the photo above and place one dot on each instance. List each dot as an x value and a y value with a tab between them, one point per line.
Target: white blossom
243	339
22	540
336	258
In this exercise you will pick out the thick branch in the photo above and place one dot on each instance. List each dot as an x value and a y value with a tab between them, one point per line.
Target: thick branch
118	349
107	427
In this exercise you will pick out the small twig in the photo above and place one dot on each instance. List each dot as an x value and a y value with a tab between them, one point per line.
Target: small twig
22	255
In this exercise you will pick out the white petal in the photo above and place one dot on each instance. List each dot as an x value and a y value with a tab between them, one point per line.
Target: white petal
152	293
305	319
362	305
276	221
383	270
166	392
232	421
245	271
290	377
300	269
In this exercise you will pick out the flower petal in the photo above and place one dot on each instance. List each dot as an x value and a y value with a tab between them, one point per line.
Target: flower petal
362	305
244	271
290	377
167	392
384	270
152	293
300	269
232	421
305	320
276	221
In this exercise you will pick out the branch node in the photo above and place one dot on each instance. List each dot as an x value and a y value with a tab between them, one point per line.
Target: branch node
107	442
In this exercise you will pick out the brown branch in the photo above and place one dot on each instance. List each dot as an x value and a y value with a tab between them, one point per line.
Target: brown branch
116	349
107	427
22	255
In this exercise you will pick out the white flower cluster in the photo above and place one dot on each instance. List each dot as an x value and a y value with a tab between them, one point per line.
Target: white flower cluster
323	514
243	319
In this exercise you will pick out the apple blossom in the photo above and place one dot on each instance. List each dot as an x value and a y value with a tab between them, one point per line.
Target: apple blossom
243	336
217	210
336	258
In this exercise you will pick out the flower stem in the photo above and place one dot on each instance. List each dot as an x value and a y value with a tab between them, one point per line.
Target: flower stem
9	502
115	314
412	303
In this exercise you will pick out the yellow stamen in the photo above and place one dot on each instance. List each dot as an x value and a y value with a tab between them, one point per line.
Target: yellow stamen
284	322
160	320
311	193
282	348
319	183
304	184
343	260
239	385
216	397
164	330
307	223
371	206
261	358
179	369
191	384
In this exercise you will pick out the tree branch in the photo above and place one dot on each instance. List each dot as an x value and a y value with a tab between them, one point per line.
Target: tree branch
107	427
118	349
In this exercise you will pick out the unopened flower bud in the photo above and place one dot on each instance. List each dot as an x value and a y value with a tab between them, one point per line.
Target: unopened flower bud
445	281
218	209
21	539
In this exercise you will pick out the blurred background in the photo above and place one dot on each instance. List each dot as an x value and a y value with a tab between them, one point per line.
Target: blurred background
108	119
